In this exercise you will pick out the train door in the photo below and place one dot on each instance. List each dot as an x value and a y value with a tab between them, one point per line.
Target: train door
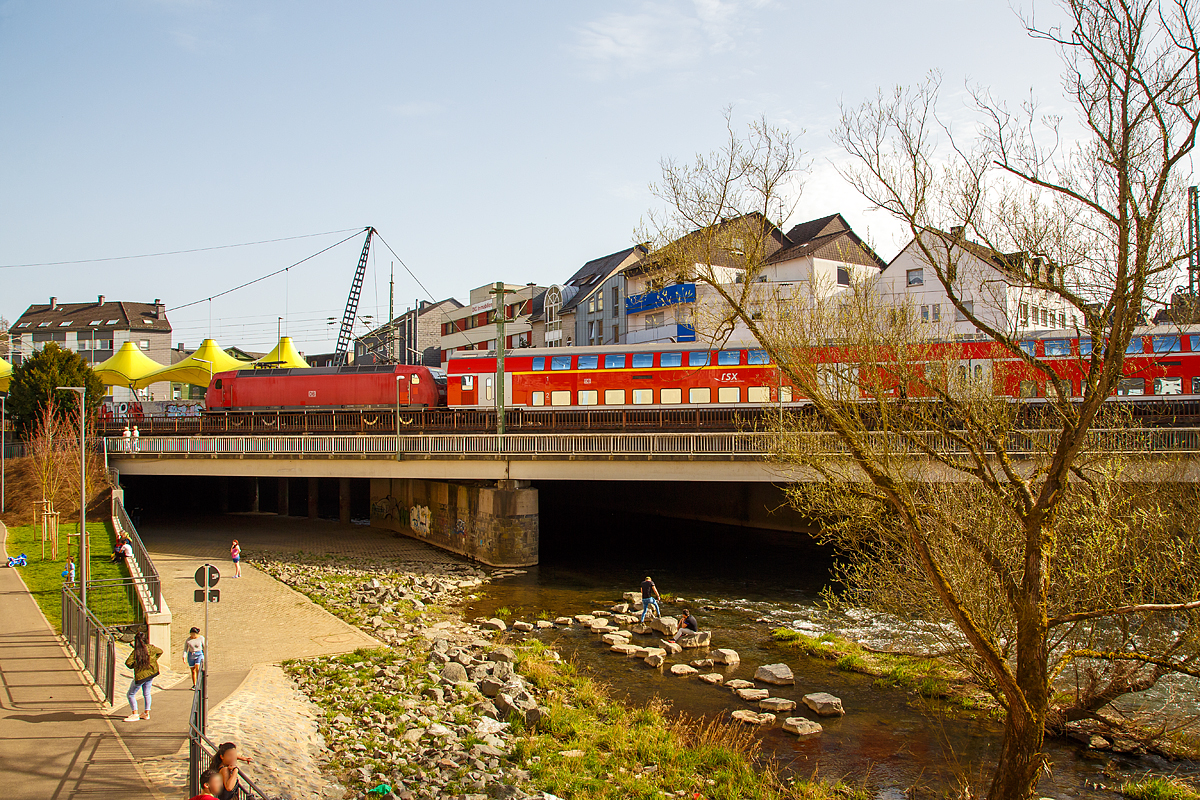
976	372
404	389
468	391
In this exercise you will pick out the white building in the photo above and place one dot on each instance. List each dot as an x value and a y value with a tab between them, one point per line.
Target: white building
997	288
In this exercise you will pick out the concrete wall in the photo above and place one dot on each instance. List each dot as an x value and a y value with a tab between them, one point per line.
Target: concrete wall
496	524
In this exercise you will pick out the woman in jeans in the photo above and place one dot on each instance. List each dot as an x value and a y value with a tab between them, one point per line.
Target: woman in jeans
144	661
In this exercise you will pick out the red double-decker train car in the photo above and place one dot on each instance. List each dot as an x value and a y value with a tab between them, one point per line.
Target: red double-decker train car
327	388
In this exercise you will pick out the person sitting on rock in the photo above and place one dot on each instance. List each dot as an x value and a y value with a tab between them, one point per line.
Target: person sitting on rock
687	624
650	597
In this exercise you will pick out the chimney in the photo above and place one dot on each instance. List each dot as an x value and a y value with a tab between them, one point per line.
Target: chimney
160	310
956	232
53	303
179	347
100	300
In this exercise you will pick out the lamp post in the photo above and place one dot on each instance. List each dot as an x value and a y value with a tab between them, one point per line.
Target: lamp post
3	425
398	379
84	546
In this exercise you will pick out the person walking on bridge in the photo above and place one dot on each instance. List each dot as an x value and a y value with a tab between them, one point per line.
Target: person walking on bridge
650	597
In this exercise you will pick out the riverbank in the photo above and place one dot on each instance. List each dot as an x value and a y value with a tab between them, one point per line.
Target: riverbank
471	708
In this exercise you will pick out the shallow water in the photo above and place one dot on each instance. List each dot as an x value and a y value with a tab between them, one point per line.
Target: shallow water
731	577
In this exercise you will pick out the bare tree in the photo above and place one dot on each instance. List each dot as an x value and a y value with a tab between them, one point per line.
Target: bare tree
1051	557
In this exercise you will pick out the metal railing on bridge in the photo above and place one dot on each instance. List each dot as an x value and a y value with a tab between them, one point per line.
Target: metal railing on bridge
150	581
744	445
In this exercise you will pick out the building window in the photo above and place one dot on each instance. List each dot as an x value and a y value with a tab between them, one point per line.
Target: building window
616	301
600	302
937	312
843	276
968	306
1023	315
616	334
144	344
592	306
916	277
924	313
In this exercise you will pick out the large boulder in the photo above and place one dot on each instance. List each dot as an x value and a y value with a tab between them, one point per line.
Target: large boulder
523	626
753	695
620	608
671	648
693	638
495	624
454	673
502	654
824	704
778	674
632	597
665	625
725	656
753	717
776	704
802	726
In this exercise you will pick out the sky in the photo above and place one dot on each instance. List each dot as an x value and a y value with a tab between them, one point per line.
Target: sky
485	141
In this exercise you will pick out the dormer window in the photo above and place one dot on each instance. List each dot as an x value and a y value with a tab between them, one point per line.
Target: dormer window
23	325
94	322
66	324
43	324
112	322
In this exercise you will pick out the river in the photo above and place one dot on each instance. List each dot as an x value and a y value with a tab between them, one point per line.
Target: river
732	578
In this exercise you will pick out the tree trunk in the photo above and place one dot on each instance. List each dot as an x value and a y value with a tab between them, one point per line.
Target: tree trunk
1020	762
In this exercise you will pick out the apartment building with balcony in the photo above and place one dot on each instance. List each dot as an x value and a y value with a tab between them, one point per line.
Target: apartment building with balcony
473	326
1009	292
96	330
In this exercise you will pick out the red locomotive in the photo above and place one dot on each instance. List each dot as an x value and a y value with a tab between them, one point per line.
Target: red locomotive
327	388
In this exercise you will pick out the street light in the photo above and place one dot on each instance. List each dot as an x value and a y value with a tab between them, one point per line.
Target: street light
84	545
398	379
3	424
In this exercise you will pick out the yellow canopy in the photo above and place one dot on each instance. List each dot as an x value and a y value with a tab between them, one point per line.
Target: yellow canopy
129	366
198	368
284	355
5	375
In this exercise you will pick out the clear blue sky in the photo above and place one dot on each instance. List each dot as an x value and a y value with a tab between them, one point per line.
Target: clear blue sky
486	141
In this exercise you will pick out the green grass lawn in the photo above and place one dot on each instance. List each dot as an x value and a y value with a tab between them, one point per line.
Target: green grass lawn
44	578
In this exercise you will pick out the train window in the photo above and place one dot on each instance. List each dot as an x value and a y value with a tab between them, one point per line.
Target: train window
537	399
1165	344
617	361
589	362
643	360
758	394
757	357
1131	387
699	359
560	398
1168	385
217	384
962	373
1058	347
979	372
416	379
729	358
729	394
670	397
1027	389
700	395
560	362
643	397
468	382
785	394
587	397
1029	347
489	391
539	363
1085	347
1135	345
614	397
1195	385
1194	343
670	359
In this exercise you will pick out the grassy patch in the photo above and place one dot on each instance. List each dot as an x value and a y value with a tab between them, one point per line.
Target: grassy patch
1160	789
44	578
929	678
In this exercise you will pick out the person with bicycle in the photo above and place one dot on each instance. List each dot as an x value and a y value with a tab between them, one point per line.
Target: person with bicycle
650	597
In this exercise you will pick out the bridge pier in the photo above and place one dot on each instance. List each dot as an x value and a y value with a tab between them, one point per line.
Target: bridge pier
254	496
344	501
313	496
494	524
283	510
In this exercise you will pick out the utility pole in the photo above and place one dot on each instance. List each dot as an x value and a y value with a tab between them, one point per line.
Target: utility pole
392	308
420	360
1193	242
500	314
85	550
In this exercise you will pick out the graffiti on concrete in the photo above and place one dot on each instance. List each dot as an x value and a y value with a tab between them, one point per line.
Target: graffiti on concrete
419	518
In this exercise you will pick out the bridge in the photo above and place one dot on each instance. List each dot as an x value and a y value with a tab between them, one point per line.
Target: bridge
473	493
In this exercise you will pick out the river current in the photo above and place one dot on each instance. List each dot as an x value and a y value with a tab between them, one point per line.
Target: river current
741	583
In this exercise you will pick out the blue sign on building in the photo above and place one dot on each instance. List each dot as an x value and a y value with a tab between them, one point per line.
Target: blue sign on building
670	296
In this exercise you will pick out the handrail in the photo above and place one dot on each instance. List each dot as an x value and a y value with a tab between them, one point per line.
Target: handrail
756	445
201	748
142	560
93	643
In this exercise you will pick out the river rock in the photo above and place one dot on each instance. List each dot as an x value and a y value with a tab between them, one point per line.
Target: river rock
702	663
640	629
776	704
1097	742
490	687
599	626
454	673
683	669
672	648
714	678
824	704
753	695
632	597
694	638
522	626
562	621
502	654
625	649
753	718
584	619
625	619
620	608
802	726
665	625
738	683
655	660
495	624
725	656
778	674
545	623
644	652
614	638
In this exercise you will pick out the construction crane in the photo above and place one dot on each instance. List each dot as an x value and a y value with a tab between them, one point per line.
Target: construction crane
341	353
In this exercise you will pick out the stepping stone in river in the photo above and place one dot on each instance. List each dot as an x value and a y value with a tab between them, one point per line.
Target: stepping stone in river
801	726
714	678
776	704
753	695
625	649
738	683
725	656
778	674
824	704
683	669
753	718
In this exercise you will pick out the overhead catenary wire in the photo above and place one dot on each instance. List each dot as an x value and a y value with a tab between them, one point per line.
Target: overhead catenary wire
177	252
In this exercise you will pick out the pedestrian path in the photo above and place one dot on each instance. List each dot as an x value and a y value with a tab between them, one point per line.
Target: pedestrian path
56	740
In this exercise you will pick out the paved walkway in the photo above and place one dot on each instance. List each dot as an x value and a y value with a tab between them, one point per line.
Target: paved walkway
56	741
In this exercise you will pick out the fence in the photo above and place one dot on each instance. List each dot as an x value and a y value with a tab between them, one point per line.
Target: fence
146	570
201	749
748	445
93	644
